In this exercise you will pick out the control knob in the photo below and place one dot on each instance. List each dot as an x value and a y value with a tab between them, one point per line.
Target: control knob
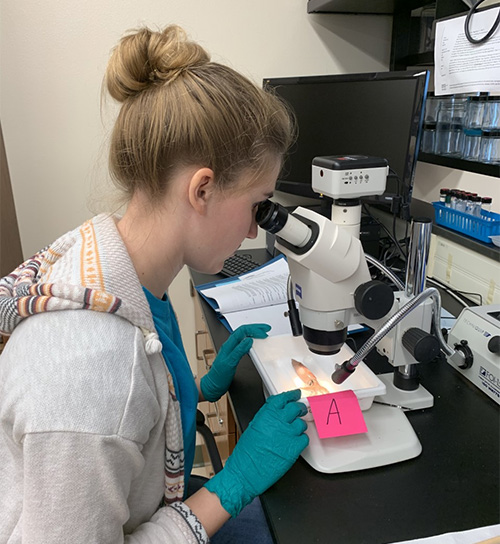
494	345
467	356
373	299
422	345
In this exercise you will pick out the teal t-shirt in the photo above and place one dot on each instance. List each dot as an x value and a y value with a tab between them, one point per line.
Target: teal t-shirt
175	357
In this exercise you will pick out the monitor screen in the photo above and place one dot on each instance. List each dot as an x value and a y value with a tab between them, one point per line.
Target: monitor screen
375	114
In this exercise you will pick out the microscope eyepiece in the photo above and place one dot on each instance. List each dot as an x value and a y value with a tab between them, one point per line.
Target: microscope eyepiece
274	218
271	216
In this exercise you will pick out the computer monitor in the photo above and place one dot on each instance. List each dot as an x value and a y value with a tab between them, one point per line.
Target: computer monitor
376	114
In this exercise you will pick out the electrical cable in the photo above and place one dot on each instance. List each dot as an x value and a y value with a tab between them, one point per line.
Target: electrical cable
406	234
468	19
393	239
452	292
461	293
473	295
395	174
403	190
394	224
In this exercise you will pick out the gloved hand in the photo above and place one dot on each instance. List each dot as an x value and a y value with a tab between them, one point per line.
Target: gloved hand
266	450
218	379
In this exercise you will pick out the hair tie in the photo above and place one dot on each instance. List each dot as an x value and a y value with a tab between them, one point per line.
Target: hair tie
153	75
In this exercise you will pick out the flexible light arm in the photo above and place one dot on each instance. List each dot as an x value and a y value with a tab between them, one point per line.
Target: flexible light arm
342	372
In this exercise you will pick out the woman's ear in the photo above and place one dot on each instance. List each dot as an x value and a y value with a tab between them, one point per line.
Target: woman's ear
201	188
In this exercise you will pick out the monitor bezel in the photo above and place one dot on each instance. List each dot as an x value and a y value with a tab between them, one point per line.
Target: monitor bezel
387	200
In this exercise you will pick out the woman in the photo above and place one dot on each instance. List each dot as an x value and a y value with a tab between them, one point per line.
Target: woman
97	407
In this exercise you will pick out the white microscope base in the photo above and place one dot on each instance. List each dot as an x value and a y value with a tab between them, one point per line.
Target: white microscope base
390	439
412	400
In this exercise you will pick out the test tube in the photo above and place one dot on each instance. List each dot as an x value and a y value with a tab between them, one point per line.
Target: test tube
453	199
468	203
477	205
486	203
461	199
443	193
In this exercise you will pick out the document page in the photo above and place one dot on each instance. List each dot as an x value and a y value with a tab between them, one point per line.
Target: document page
481	535
272	315
464	67
263	287
259	296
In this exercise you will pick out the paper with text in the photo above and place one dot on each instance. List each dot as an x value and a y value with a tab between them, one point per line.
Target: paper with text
463	67
259	296
260	288
272	315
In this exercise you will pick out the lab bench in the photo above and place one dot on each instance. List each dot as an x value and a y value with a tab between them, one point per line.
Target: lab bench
453	485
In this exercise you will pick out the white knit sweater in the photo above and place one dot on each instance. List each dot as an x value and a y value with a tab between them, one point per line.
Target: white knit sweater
90	432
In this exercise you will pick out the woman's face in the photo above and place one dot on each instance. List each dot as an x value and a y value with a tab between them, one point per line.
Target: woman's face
232	219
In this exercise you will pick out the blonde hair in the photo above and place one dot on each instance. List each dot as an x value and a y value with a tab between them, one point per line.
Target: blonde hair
180	109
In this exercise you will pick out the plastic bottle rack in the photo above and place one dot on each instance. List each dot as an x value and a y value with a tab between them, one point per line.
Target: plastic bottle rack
481	228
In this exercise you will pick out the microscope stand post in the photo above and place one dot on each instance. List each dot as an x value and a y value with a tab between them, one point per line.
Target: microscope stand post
417	399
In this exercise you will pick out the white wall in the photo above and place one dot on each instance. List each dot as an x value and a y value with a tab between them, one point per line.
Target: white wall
53	57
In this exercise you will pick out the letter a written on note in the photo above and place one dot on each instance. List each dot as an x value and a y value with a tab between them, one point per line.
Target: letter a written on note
334	411
337	414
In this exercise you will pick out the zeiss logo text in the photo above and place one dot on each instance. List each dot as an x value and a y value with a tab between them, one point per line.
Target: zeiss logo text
298	290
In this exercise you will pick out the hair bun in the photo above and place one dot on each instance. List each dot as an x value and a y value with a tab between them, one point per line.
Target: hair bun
146	57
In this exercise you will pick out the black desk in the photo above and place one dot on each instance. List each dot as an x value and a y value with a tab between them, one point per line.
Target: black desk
452	486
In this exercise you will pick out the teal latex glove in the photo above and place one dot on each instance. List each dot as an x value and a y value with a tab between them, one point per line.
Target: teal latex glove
264	453
218	379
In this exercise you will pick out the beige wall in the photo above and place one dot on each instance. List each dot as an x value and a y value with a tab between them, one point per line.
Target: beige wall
429	178
53	56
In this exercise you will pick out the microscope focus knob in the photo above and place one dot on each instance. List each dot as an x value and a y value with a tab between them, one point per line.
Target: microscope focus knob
494	345
373	299
422	345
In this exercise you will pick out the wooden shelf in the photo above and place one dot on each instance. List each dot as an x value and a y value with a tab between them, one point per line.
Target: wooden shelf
461	164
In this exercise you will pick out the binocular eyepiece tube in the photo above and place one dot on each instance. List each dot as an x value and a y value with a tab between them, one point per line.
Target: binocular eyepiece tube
275	219
297	235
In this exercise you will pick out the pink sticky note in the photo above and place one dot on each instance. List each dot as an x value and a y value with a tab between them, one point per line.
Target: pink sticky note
337	414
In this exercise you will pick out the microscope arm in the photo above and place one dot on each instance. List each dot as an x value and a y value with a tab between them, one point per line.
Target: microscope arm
331	279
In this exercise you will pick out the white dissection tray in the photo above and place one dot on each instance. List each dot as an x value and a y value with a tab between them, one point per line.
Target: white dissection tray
273	360
390	437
